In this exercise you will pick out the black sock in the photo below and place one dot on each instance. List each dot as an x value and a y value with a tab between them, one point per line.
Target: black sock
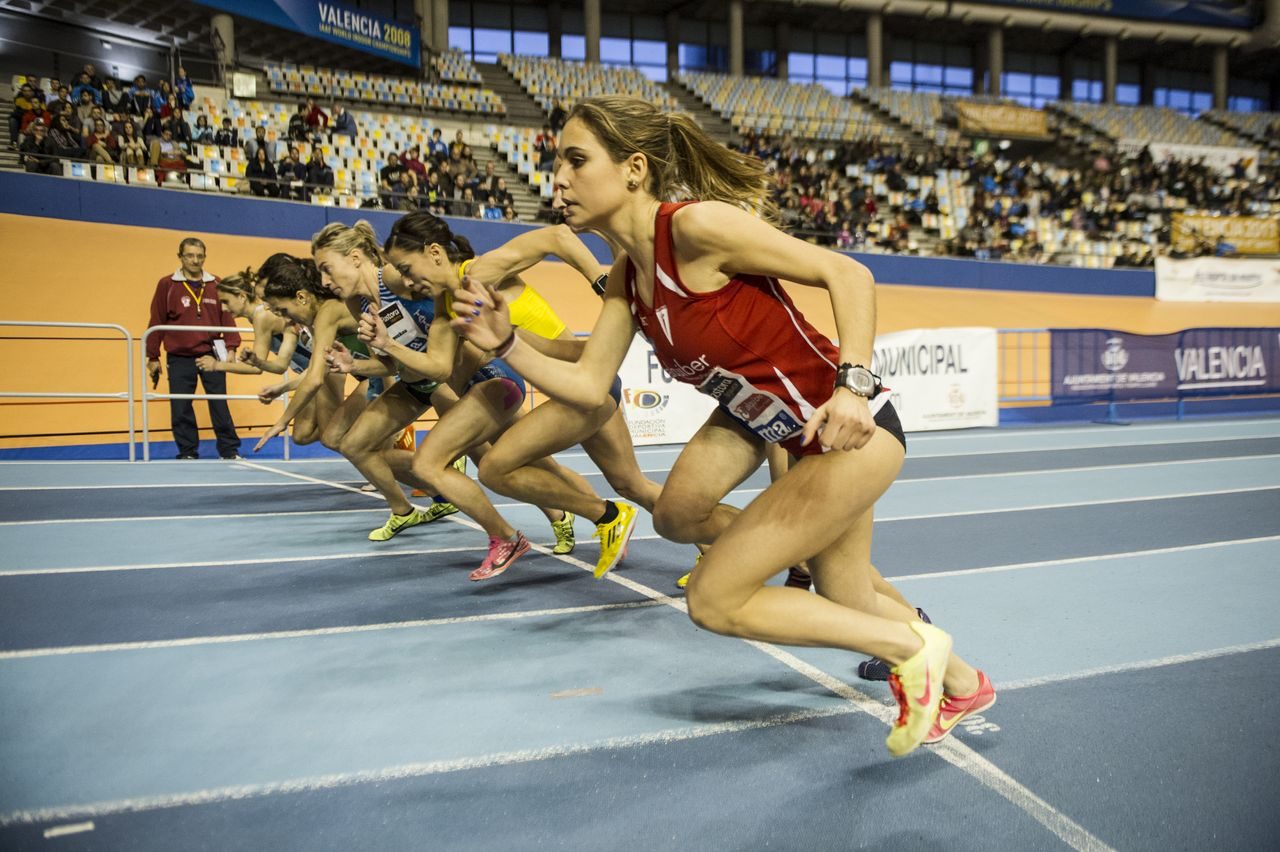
610	512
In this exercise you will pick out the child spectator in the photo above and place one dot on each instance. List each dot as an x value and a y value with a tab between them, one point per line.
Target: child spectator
202	134
227	136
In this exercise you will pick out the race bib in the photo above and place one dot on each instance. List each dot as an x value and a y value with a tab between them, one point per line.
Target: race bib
401	326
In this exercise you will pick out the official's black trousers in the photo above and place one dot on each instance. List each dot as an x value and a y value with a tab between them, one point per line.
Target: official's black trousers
182	379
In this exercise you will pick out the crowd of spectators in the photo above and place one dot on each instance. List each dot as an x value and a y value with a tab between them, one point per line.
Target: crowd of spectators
97	119
445	181
819	201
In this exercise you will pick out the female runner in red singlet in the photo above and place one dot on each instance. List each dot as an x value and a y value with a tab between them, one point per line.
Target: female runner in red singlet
700	281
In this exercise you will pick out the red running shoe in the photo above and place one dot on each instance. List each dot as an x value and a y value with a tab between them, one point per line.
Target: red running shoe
957	707
502	554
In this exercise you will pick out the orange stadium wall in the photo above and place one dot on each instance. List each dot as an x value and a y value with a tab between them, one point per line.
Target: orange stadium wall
60	268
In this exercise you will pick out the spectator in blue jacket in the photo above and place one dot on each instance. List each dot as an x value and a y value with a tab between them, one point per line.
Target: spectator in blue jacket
345	123
185	91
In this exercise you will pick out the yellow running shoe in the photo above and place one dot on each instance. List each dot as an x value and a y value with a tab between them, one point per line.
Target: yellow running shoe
613	538
396	523
917	684
684	581
563	528
436	511
460	465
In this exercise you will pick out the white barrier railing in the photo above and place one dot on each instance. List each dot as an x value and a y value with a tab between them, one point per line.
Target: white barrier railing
149	396
128	395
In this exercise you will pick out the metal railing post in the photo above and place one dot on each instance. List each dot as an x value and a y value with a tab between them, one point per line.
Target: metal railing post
129	393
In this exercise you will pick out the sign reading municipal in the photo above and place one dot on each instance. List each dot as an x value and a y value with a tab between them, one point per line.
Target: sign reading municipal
334	22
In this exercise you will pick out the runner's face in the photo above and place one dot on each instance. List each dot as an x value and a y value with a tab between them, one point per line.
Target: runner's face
423	274
589	185
339	272
299	308
233	303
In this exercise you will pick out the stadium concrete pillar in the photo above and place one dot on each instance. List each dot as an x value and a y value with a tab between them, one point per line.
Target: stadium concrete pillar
591	24
555	28
735	38
1110	68
224	39
875	50
426	25
673	44
440	23
1220	73
782	48
995	59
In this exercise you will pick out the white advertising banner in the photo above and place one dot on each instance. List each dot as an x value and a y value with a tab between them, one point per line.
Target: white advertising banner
1218	157
659	409
1216	279
940	378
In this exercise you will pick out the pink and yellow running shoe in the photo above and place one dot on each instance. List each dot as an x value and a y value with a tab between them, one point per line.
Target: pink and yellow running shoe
956	707
502	555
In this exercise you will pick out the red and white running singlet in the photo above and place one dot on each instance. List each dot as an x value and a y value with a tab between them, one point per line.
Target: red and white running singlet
745	345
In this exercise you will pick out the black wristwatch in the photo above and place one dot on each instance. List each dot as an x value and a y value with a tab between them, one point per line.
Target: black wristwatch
599	284
858	379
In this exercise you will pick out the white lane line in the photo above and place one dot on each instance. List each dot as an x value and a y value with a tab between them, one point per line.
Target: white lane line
1086	469
342	630
1036	507
218	563
1005	432
1075	560
1071	447
189	518
1140	665
148	485
409	770
64	830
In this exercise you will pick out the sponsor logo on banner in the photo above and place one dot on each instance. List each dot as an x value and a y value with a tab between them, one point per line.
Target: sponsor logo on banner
1213	279
658	409
1098	364
781	427
721	386
753	406
943	378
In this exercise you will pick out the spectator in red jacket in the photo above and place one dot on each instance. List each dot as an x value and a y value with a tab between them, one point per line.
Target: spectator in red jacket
190	297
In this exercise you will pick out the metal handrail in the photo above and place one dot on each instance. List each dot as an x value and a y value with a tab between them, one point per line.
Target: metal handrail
128	395
148	396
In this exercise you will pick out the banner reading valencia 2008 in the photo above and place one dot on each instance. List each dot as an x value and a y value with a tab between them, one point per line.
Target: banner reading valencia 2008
334	22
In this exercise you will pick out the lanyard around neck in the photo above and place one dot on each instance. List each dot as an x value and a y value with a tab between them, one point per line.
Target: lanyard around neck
193	294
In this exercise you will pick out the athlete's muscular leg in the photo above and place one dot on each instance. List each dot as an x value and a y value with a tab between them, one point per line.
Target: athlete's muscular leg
612	451
517	464
363	444
478	417
714	462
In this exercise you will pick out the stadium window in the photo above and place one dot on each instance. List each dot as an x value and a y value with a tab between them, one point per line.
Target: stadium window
656	73
761	62
645	52
1244	104
489	43
900	75
800	67
1200	101
1128	94
460	39
616	51
957	81
857	71
573	47
1086	91
829	67
532	44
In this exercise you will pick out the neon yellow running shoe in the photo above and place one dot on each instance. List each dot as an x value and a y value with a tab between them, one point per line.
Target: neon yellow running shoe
460	465
436	511
396	523
614	537
563	528
917	684
684	581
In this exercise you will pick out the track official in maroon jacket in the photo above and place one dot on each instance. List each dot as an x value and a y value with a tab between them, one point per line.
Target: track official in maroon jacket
190	297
